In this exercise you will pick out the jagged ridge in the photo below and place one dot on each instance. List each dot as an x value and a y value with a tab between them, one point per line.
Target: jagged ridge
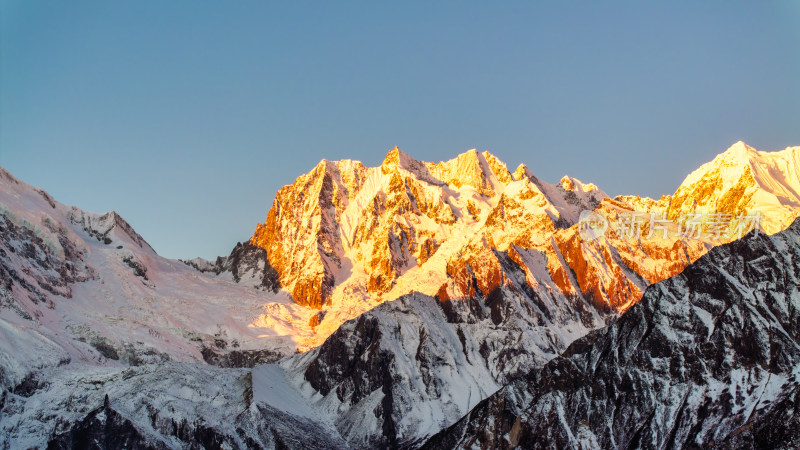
707	357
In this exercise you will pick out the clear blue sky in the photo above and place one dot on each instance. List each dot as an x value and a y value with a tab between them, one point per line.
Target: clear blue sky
186	117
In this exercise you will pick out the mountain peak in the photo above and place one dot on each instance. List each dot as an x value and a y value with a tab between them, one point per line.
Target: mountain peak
321	167
470	168
570	184
744	180
470	158
498	167
397	158
739	152
393	156
522	172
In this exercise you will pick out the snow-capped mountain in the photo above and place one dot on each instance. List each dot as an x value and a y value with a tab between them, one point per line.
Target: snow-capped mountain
90	289
710	357
741	181
344	238
414	289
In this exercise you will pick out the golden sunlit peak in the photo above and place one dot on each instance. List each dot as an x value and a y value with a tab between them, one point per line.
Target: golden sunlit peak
522	171
739	148
395	158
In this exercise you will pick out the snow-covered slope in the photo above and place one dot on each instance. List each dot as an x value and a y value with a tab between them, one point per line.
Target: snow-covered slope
84	287
710	357
168	405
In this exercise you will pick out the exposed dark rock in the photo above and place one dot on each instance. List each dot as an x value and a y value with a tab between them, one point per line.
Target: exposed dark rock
353	370
47	198
245	260
138	269
105	347
239	358
27	386
43	270
101	429
707	358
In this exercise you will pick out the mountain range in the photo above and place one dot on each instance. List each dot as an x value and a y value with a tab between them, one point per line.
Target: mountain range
378	307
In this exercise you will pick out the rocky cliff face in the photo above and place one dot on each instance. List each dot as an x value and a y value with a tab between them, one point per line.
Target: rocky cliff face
710	357
410	366
301	234
247	264
344	238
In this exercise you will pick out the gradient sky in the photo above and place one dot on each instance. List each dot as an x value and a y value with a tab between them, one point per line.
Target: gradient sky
186	117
